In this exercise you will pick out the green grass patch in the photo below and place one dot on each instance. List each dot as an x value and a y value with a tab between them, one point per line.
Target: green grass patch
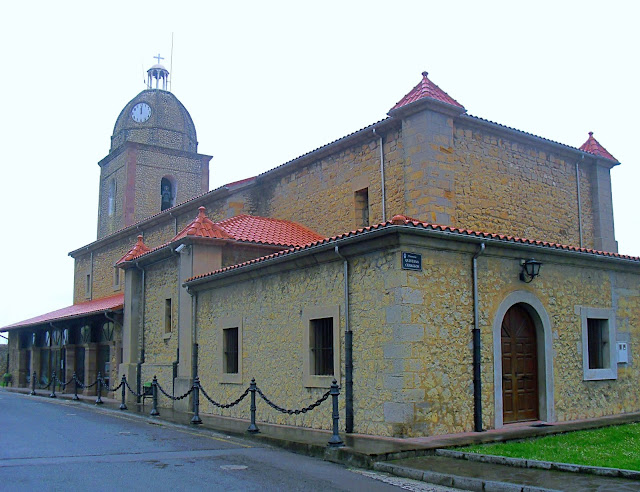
614	447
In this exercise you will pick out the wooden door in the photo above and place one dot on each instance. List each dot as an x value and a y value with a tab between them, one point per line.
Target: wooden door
519	366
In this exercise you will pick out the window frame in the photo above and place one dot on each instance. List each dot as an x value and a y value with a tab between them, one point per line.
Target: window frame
309	314
224	324
611	371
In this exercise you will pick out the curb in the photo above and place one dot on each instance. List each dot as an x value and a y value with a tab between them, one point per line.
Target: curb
541	465
465	483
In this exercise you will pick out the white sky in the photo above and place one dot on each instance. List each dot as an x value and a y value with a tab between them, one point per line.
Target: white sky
268	81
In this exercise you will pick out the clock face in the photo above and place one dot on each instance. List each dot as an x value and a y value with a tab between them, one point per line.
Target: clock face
141	112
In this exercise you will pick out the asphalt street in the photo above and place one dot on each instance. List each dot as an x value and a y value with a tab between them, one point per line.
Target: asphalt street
48	444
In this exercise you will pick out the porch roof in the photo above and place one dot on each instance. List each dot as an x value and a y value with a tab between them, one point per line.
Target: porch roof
105	304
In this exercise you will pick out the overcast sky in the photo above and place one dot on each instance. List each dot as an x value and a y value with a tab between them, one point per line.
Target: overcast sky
268	81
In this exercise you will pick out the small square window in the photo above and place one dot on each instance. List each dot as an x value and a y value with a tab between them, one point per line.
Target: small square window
598	344
230	336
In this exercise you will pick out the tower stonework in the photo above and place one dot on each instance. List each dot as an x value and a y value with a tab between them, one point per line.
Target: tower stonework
153	162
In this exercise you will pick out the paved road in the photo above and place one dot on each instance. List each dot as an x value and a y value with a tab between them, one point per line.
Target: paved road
63	445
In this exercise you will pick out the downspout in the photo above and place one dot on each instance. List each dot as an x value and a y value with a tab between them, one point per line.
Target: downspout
194	333
579	201
348	349
477	381
141	357
382	185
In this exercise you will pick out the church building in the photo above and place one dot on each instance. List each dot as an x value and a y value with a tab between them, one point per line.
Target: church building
452	273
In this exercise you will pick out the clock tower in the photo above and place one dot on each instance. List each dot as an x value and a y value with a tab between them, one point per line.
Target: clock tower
153	163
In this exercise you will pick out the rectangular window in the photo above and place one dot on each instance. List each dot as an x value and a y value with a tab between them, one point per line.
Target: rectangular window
321	346
116	278
87	286
230	349
167	316
597	335
599	359
230	336
362	207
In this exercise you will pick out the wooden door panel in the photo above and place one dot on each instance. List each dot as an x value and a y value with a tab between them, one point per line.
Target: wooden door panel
519	366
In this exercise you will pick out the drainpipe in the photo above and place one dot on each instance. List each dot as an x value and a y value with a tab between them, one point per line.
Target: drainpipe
348	349
477	381
141	358
194	333
579	201
384	200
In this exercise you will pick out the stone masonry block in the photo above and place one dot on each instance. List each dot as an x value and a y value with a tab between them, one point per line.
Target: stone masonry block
398	413
408	333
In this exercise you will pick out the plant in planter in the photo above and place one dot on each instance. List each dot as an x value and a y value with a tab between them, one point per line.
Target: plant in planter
6	379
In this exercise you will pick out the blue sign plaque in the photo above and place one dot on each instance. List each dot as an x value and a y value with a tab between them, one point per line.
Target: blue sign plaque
411	261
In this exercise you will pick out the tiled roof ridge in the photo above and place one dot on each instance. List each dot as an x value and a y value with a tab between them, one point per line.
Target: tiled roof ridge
138	249
426	89
397	220
202	226
592	146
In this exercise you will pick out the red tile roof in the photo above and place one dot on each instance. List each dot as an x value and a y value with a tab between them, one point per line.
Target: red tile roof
138	249
593	147
426	90
242	228
202	226
105	304
401	220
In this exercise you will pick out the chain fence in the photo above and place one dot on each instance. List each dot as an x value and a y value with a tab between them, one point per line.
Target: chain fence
194	391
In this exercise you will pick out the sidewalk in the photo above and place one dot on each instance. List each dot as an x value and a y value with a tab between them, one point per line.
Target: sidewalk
411	457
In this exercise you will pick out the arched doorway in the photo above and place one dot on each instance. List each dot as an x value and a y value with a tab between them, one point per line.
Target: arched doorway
543	367
519	366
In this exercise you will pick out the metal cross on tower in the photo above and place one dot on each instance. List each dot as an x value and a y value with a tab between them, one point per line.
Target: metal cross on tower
159	57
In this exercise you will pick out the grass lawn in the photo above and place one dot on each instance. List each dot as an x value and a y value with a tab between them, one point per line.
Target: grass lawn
615	447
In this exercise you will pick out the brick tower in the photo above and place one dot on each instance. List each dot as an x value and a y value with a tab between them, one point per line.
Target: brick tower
153	163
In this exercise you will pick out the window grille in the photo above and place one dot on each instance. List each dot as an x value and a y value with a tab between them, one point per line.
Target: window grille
321	345
231	350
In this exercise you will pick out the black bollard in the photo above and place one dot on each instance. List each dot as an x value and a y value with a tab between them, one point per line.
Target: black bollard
253	428
75	387
99	399
123	405
335	441
53	385
196	402
154	392
33	384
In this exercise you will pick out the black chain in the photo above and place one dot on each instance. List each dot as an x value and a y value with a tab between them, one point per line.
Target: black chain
105	386
228	405
174	398
87	386
132	392
45	387
63	383
293	412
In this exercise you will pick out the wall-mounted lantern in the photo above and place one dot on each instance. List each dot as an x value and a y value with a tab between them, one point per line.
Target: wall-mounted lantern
530	269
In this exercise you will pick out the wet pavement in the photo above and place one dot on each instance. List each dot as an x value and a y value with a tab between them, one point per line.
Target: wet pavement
410	457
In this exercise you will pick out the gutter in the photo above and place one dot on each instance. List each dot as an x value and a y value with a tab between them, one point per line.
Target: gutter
348	348
477	375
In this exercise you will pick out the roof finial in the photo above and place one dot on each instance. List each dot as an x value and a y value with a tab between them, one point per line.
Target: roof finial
425	74
591	134
158	57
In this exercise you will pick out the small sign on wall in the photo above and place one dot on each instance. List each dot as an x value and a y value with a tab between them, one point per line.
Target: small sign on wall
623	353
411	261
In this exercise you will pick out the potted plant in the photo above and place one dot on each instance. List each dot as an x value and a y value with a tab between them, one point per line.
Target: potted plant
6	379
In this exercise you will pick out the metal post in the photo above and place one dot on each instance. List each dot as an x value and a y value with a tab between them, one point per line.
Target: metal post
75	387
123	405
53	385
154	392
196	401
99	399
335	441
33	384
253	428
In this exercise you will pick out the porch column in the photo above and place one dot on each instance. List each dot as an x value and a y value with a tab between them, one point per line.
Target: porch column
69	366
131	328
90	367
